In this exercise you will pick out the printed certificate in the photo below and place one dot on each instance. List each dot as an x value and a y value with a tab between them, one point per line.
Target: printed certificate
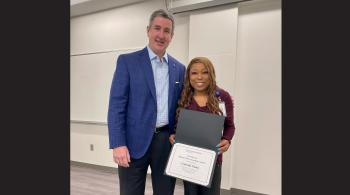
191	163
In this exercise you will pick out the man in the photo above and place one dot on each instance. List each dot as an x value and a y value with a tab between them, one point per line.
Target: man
143	99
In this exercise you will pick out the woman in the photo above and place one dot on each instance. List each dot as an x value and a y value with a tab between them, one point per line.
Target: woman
200	93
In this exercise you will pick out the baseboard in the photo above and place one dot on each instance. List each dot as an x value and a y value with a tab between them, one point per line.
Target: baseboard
108	169
93	166
233	191
225	192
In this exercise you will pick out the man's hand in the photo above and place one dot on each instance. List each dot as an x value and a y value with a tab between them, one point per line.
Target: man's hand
172	139
223	146
121	156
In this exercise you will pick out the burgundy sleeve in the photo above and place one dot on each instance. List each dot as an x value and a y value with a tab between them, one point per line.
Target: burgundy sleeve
229	127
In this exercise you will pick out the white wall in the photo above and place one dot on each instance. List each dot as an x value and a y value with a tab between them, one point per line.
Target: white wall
81	136
254	79
124	28
213	34
257	144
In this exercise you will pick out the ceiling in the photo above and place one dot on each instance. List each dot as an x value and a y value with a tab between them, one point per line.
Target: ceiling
82	7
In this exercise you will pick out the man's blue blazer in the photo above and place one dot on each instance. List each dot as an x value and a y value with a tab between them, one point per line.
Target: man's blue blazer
132	111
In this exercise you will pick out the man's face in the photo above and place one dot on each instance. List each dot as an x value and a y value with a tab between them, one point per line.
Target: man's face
159	35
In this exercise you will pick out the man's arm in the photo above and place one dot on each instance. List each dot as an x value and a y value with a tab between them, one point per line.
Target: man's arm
119	95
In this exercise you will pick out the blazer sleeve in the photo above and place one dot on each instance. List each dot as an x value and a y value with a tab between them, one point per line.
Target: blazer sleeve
118	101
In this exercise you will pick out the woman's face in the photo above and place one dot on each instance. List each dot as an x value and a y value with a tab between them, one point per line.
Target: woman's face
199	78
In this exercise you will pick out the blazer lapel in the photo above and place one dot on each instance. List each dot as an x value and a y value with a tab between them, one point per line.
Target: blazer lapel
172	73
147	70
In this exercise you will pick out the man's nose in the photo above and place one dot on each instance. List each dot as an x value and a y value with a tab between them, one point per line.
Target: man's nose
161	34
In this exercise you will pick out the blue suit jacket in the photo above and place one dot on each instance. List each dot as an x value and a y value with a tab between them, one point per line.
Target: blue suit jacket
132	111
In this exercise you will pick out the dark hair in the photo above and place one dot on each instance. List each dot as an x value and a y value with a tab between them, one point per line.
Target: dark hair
164	14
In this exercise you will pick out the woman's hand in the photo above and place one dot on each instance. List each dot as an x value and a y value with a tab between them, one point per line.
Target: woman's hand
172	139
223	146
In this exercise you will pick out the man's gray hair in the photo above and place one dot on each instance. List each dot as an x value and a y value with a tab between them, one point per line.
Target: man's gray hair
164	14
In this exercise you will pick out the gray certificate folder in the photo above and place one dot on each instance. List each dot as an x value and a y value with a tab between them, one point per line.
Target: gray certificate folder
199	129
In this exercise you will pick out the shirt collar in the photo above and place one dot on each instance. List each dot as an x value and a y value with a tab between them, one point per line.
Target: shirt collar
152	55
